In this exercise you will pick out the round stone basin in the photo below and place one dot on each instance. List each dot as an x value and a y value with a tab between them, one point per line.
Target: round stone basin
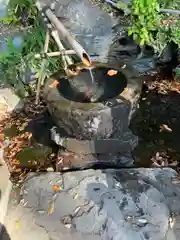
96	84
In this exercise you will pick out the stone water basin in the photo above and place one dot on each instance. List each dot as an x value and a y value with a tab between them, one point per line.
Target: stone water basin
99	127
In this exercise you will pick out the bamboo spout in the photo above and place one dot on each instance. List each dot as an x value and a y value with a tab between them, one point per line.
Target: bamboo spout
67	37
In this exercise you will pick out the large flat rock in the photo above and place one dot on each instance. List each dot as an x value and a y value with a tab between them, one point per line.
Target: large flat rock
135	204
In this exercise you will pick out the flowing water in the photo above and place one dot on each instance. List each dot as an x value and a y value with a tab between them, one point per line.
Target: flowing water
92	77
93	98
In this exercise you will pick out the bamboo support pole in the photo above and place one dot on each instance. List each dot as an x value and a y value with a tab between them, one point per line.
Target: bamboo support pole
41	75
55	54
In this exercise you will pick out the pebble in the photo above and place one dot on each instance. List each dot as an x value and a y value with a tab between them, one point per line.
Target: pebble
22	201
142	220
68	225
118	185
25	191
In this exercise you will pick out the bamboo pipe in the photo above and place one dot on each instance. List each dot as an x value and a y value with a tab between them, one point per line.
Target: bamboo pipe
67	37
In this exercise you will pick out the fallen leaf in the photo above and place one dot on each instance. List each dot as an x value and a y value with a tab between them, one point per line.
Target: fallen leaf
56	188
75	196
29	136
54	84
1	137
112	72
68	225
17	224
1	145
23	126
51	208
165	128
86	202
77	209
50	169
126	89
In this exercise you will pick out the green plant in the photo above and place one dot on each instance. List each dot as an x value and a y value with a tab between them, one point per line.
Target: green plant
144	18
15	60
149	26
21	12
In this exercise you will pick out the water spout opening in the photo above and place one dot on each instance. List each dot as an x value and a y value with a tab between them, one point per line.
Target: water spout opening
86	60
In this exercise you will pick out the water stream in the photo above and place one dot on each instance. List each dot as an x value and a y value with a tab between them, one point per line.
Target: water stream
92	76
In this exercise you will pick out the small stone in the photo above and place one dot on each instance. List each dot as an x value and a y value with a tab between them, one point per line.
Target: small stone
25	192
142	220
171	222
68	225
118	184
22	201
25	204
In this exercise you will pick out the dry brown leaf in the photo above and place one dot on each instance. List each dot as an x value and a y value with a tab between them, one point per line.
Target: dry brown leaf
165	128
75	196
51	208
56	188
29	136
18	170
54	84
1	144
112	72
126	89
124	66
1	137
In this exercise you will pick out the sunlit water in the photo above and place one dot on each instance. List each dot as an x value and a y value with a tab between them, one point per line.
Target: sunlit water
92	77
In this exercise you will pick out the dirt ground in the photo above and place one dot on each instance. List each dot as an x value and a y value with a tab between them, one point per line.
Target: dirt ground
157	124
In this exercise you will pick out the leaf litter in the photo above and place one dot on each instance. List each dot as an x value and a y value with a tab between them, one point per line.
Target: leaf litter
14	138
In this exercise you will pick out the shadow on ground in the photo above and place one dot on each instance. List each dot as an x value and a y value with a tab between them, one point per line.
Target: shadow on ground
3	233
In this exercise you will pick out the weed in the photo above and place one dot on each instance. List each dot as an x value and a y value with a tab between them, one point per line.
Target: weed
151	27
14	62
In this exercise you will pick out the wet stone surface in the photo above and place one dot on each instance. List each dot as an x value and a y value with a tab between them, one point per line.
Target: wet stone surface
109	204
